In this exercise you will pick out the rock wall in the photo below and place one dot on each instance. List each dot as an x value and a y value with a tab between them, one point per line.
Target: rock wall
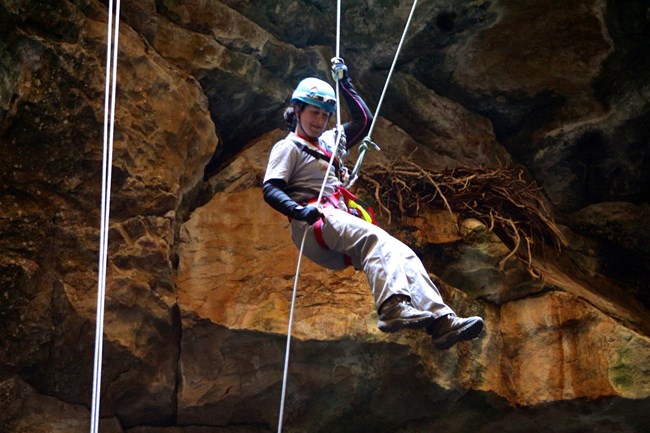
200	270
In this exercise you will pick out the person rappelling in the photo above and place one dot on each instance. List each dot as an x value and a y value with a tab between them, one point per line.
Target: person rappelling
335	233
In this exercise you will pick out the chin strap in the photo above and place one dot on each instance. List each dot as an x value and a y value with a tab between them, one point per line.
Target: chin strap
303	133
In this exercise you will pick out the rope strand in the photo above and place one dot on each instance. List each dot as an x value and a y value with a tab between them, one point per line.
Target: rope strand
107	157
363	148
304	236
392	67
286	353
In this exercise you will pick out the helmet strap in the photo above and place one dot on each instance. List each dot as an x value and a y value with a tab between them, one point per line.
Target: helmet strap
300	130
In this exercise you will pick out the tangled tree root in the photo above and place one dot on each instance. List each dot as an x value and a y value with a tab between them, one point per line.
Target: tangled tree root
510	206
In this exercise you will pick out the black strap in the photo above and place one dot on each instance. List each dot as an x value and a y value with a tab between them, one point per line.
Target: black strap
319	155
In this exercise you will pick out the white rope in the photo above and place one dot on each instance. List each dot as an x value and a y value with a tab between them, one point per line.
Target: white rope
392	67
364	146
286	353
304	236
109	127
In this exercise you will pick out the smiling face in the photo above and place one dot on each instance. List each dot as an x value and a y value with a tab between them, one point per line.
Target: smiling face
312	121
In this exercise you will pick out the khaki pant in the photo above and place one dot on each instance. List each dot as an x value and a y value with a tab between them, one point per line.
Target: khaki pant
391	267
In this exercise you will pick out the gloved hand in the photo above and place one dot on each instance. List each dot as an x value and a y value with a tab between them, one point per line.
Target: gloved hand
309	214
343	141
339	70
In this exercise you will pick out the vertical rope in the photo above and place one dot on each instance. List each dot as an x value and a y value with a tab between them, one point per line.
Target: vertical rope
109	128
304	236
364	146
286	353
338	92
392	67
338	28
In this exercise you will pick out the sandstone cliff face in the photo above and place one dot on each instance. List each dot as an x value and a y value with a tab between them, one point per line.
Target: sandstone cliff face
201	270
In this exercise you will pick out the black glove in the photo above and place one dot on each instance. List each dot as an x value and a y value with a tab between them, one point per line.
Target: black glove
339	70
310	214
279	200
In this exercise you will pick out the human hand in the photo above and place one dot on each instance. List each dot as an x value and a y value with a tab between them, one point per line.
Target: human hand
339	70
342	142
309	214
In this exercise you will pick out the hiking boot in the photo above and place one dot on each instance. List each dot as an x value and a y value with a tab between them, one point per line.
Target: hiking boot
397	312
450	329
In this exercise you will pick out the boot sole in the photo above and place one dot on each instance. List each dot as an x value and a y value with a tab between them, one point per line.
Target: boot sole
397	324
468	332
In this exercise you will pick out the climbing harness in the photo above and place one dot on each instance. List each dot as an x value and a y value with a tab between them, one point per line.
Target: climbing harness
367	142
342	197
113	31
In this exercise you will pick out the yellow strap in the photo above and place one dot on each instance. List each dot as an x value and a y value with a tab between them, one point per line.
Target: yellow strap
355	205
